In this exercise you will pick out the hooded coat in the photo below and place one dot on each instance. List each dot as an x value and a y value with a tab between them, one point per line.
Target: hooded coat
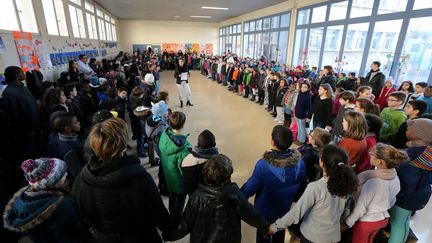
275	182
174	148
44	216
120	202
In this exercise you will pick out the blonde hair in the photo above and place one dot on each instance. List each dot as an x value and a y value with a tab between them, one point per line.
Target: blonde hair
391	156
357	125
108	139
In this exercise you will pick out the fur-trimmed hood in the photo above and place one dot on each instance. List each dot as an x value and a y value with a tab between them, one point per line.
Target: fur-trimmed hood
282	159
26	210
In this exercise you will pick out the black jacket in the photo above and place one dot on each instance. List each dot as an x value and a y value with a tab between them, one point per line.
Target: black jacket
349	84
328	79
120	202
280	95
376	83
213	215
322	112
179	70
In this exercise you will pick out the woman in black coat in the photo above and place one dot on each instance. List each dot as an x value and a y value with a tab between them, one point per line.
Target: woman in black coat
328	78
114	194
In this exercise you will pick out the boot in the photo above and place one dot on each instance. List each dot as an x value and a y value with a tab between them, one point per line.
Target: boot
188	103
181	103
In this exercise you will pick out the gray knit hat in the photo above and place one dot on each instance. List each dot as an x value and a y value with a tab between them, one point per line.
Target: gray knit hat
44	173
421	128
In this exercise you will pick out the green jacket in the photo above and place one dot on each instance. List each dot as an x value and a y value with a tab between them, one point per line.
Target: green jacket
174	148
247	78
392	119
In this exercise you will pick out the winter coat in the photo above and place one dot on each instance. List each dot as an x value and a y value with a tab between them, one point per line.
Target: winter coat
392	120
154	127
275	182
260	81
174	148
120	202
192	167
415	183
280	95
328	79
349	83
44	216
59	145
376	82
213	215
303	105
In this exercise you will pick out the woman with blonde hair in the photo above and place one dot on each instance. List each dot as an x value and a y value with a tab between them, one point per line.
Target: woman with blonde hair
114	194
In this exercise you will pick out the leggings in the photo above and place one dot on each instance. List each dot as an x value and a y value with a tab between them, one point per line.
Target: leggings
184	86
399	221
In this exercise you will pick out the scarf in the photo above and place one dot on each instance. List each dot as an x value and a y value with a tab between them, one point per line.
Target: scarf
424	160
384	174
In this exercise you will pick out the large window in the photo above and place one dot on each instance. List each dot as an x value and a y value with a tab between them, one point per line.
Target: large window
350	34
268	37
91	20
230	39
77	22
18	15
55	17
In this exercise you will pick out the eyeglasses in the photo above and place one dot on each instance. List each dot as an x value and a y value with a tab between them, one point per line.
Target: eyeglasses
391	100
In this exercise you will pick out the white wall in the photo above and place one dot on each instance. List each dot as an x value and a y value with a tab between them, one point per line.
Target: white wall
158	32
52	44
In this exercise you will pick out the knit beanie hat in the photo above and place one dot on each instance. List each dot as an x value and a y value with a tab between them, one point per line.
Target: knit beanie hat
421	128
43	173
160	109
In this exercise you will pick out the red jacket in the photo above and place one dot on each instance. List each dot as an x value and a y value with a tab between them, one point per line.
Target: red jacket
381	100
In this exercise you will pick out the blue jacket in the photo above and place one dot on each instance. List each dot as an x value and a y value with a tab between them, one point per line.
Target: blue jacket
46	217
415	183
303	105
275	182
59	145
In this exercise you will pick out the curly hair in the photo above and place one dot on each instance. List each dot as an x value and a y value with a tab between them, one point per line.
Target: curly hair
342	180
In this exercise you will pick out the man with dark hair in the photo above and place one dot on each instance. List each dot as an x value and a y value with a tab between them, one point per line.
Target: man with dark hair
375	78
83	67
214	211
276	179
23	116
174	147
193	163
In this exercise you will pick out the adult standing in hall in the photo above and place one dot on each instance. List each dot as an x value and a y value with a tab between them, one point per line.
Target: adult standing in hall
182	76
375	78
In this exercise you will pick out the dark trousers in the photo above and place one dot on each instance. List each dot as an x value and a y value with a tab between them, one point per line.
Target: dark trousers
151	152
304	240
176	205
247	91
261	95
279	237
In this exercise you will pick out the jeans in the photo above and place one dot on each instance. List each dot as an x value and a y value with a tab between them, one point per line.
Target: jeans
224	79
176	205
301	127
156	87
184	86
399	221
279	237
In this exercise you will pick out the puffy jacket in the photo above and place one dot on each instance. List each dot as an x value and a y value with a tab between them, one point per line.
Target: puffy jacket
213	215
46	217
120	202
154	127
415	183
174	148
275	182
280	95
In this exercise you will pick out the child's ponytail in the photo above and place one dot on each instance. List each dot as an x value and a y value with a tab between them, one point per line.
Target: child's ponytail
342	181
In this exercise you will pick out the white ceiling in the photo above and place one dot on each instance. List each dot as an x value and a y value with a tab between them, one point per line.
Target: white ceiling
167	9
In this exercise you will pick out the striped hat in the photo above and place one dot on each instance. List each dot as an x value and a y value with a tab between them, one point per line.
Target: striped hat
44	173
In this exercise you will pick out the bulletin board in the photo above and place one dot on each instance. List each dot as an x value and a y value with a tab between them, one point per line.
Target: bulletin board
26	51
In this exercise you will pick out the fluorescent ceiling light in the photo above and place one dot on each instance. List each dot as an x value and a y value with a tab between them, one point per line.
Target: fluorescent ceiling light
176	16
197	16
217	8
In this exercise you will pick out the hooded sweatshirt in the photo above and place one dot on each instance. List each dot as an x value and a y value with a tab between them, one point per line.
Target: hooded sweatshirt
275	182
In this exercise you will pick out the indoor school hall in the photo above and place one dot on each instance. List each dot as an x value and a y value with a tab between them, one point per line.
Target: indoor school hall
216	121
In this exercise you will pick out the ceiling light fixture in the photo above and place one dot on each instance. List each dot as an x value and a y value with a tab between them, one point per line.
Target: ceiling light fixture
198	16
177	16
216	8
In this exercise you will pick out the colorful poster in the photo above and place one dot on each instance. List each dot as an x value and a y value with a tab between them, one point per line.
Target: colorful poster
26	51
209	49
196	47
173	47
